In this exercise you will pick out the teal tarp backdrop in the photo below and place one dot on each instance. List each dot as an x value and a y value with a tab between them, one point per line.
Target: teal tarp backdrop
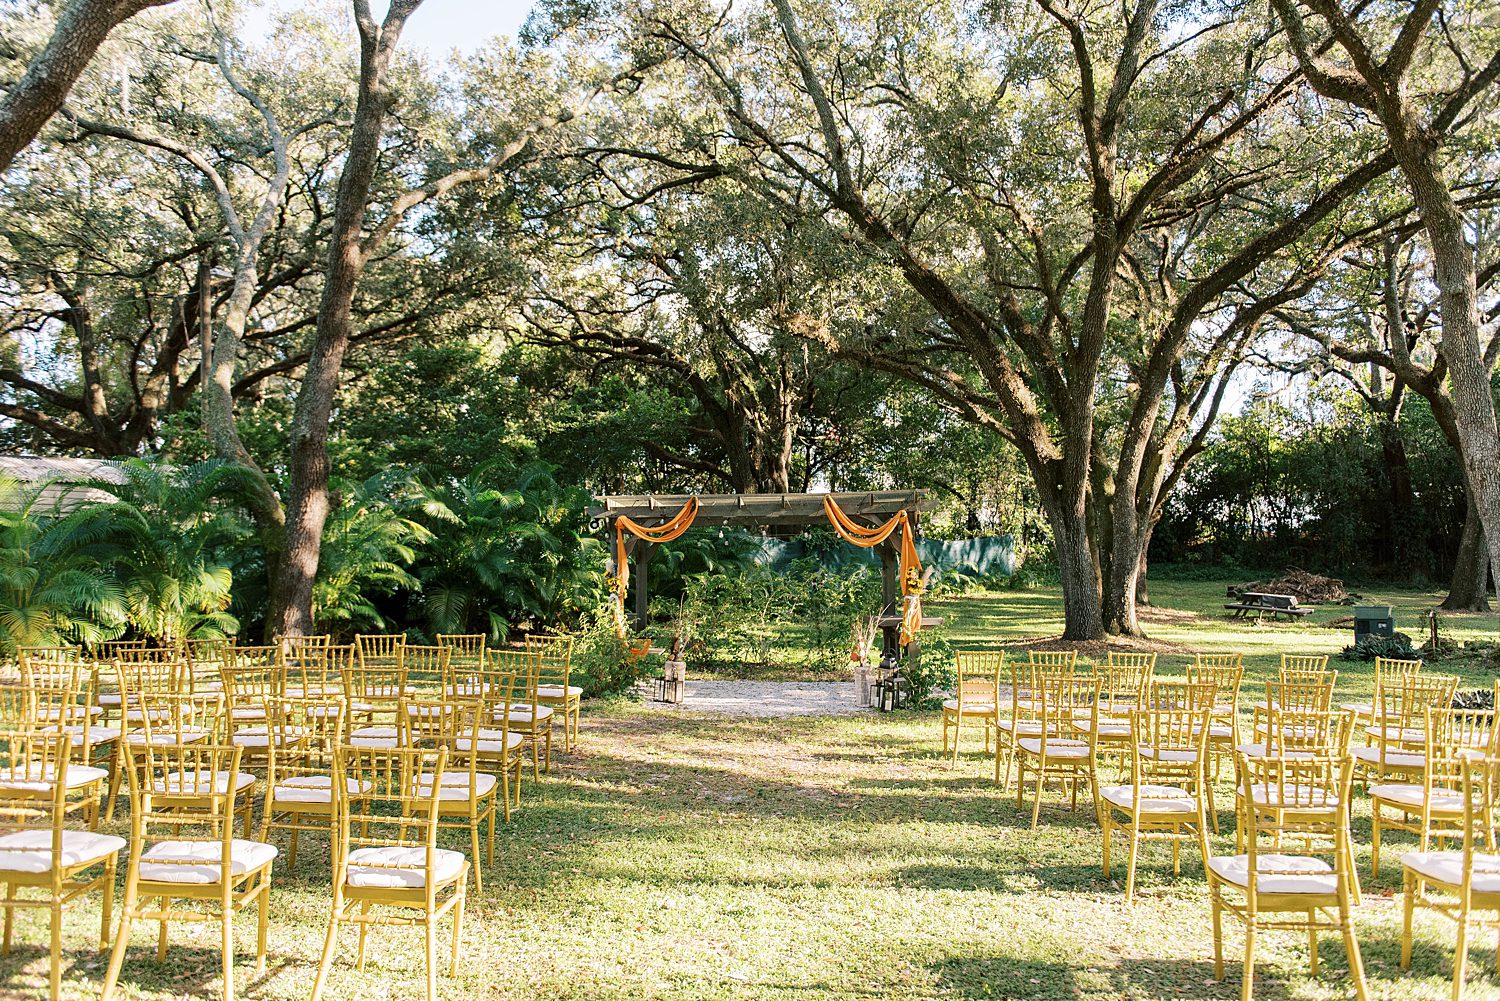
987	555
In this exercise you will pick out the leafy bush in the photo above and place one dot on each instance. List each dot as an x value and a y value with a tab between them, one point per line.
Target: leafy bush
601	658
1397	647
369	541
934	671
1478	699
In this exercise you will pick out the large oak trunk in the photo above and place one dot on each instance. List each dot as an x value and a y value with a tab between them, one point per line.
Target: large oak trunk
1469	589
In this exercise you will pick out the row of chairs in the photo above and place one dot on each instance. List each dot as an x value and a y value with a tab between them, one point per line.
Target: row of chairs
1294	771
444	735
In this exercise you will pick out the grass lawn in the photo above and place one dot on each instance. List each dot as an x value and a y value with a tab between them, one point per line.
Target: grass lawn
682	857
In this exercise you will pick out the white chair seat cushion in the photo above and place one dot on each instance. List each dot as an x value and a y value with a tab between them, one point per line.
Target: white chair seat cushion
200	783
1167	753
1297	796
313	691
1277	873
248	712
110	699
467	688
44	777
1154	799
1106	728
523	714
261	736
188	735
154	715
1057	747
455	785
374	736
1448	868
969	708
373	867
53	713
1019	728
1409	794
329	710
1393	757
490	741
556	691
1261	751
1359	708
202	861
314	789
96	734
31	851
1399	734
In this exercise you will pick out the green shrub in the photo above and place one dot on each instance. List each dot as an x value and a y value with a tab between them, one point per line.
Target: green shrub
601	658
1397	647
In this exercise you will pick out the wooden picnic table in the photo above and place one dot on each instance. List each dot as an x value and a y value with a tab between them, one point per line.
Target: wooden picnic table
1260	605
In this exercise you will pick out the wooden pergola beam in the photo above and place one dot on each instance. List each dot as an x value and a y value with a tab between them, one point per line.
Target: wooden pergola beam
761	509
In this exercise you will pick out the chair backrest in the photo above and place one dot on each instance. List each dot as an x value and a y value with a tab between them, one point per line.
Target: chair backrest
508	676
1456	739
213	650
374	679
1478	783
1305	731
427	666
173	797
320	727
146	679
1302	788
1066	699
1302	694
1126	678
1391	671
28	655
1226	671
15	707
253	682
394	808
385	649
554	653
1402	703
1294	666
1174	717
33	786
119	649
1053	660
978	676
144	655
429	722
61	694
465	649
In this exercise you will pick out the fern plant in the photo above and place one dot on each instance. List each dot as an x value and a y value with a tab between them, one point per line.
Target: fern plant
55	583
368	543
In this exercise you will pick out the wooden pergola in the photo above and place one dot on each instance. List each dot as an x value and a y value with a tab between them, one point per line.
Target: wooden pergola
758	512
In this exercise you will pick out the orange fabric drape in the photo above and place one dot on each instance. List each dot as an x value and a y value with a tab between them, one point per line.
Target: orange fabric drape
911	564
665	532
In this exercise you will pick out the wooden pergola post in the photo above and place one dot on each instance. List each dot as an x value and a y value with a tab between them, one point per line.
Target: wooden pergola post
642	575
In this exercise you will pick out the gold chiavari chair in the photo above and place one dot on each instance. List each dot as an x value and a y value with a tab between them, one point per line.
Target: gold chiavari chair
182	847
465	657
392	872
1432	808
1290	733
1053	661
1394	742
426	669
556	690
976	694
1462	885
1168	776
468	793
299	774
489	701
310	673
253	677
119	649
375	682
1020	716
1226	672
380	648
62	702
1295	665
38	853
528	717
1061	752
1387	672
1124	679
1282	880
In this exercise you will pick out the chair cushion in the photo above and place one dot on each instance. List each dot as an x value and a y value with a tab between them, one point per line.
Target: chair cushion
1109	728
1298	796
374	736
52	713
556	691
370	867
455	785
969	708
1022	727
1409	795
524	714
1057	747
1154	799
200	783
248	712
258	736
1166	753
490	741
202	861
41	778
96	734
1319	875
154	715
1359	708
1400	734
108	699
1393	757
31	851
314	789
189	735
1261	751
1448	868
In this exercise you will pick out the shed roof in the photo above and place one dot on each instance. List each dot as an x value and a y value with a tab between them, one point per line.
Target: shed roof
61	476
